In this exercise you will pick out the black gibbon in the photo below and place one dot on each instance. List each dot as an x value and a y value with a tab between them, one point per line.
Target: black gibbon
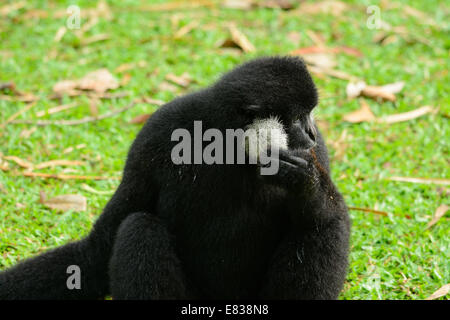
213	231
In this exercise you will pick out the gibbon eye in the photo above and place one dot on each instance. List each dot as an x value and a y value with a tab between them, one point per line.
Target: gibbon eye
250	110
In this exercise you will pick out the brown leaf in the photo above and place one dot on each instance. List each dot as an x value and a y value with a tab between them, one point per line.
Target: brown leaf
165	86
183	81
61	162
382	213
320	60
321	49
11	86
19	161
56	109
386	92
4	166
238	40
186	29
335	8
92	190
443	291
238	4
98	81
94	38
26	133
361	115
440	212
60	34
275	4
332	73
5	10
65	202
125	79
152	101
65	176
405	116
354	89
140	119
178	5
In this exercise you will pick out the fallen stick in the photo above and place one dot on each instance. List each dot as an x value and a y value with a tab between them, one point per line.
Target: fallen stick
18	113
66	176
75	122
382	213
421	180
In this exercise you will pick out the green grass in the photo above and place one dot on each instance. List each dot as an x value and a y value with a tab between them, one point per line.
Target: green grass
392	257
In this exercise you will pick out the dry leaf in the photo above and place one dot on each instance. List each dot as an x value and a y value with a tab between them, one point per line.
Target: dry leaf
26	133
406	115
4	166
5	10
354	89
440	212
323	49
421	180
183	81
165	86
386	92
65	202
238	40
275	4
11	86
128	66
35	14
65	86
65	176
444	290
101	11
98	81
250	4
61	162
56	109
238	4
94	38
23	163
140	119
152	101
320	60
361	115
377	93
125	79
382	213
179	5
18	113
92	190
186	29
332	73
335	8
60	34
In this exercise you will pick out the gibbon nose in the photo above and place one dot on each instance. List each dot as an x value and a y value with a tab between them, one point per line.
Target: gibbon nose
310	138
302	135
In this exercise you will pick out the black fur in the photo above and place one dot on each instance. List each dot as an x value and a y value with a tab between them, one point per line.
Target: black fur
211	231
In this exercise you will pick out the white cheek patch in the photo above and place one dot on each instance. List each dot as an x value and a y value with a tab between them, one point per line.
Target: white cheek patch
265	134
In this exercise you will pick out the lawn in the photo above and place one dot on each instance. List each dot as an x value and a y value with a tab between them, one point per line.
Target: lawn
393	253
